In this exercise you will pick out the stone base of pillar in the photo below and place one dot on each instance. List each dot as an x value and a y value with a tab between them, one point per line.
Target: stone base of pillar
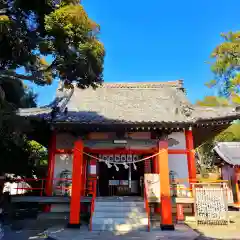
72	225
165	227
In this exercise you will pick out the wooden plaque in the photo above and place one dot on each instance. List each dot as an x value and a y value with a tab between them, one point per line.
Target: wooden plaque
152	185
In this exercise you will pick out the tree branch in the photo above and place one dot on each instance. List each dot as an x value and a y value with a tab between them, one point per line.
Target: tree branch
13	75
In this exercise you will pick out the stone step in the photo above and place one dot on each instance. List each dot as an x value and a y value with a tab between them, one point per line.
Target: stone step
118	228
120	220
53	215
125	214
119	214
118	209
120	204
123	224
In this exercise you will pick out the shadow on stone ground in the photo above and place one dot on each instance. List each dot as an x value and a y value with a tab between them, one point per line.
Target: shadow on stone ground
30	228
35	228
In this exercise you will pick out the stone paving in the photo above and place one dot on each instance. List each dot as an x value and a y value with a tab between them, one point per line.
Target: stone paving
182	232
231	231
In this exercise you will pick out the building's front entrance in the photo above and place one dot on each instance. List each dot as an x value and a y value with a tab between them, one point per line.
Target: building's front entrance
124	182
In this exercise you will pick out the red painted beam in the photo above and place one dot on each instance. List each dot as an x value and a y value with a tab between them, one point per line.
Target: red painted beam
122	151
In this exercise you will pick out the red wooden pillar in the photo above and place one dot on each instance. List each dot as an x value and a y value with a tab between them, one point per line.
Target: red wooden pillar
147	165
166	202
155	165
75	209
180	213
84	179
93	176
237	179
84	175
192	172
50	171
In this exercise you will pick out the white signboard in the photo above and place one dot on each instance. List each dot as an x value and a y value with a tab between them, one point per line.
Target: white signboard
93	169
152	184
211	204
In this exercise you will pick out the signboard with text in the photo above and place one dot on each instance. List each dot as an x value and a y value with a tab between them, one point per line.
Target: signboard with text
152	184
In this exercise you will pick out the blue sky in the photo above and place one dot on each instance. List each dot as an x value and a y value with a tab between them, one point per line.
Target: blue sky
159	40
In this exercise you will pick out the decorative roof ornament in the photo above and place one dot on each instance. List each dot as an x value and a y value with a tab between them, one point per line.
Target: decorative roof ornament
187	110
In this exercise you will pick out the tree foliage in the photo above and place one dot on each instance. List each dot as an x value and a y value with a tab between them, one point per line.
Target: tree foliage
226	66
34	29
213	101
18	155
232	133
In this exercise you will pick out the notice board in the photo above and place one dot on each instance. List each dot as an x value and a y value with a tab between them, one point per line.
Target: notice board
152	185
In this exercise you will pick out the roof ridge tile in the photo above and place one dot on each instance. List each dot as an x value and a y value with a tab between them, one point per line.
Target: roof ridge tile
140	85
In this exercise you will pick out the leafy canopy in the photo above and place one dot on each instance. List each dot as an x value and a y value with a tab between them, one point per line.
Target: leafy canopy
30	30
226	67
213	101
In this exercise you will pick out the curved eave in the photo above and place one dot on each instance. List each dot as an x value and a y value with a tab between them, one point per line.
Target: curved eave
113	125
228	152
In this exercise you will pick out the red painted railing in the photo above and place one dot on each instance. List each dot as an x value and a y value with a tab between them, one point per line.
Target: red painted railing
38	186
147	208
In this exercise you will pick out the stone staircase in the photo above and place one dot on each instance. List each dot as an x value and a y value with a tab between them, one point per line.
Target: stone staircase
121	214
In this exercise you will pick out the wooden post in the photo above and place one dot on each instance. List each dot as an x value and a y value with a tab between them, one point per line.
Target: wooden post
237	179
50	172
180	213
84	175
75	209
166	202
192	171
157	208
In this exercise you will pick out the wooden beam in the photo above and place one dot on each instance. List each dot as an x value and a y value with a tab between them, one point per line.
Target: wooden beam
122	151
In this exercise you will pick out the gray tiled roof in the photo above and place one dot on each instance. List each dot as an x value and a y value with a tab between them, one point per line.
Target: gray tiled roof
138	102
152	102
229	152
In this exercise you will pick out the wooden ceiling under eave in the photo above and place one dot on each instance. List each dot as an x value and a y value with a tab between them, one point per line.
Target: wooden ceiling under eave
207	131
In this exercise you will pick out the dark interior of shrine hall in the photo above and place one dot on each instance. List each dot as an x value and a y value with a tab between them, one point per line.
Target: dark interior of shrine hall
116	183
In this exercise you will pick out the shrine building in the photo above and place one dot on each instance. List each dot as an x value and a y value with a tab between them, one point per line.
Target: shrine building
106	140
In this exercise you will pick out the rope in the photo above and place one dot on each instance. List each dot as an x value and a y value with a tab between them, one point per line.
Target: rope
113	162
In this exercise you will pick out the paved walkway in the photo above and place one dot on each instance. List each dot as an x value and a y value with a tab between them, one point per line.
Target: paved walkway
182	232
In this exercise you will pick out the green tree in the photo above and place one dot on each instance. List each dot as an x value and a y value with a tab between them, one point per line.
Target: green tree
232	133
226	66
31	30
213	101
